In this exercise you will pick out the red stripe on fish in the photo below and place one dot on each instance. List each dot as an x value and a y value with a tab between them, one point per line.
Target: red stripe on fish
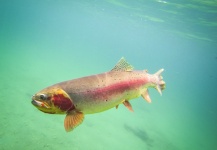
118	88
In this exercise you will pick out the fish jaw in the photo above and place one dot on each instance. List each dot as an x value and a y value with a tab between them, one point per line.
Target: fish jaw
53	100
43	106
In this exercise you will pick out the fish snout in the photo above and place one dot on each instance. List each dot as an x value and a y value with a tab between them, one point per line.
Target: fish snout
33	97
34	103
33	100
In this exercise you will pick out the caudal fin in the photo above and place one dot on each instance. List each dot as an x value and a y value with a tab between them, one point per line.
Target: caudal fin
160	84
156	81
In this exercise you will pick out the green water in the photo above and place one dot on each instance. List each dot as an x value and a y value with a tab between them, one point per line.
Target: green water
43	42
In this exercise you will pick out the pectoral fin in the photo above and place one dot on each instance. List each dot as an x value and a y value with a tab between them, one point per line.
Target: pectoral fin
128	105
72	120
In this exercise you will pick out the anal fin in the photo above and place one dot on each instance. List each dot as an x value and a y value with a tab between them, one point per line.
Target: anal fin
128	105
146	96
72	120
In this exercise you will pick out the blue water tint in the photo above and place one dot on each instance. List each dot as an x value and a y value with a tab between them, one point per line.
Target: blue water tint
45	42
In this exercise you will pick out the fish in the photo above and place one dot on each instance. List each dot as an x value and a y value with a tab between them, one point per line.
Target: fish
97	93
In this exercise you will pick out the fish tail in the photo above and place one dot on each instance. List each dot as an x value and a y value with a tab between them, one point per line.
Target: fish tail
159	82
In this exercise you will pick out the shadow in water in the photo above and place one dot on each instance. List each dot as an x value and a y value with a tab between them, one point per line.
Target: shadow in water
140	134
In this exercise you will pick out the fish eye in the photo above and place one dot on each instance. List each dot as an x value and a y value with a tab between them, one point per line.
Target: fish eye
43	97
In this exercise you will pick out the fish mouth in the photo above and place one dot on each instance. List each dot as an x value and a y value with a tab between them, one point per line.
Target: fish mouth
44	107
35	103
39	104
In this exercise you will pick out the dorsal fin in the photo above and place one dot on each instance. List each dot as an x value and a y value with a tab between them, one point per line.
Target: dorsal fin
122	65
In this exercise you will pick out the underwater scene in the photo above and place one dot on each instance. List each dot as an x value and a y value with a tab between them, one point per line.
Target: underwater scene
44	42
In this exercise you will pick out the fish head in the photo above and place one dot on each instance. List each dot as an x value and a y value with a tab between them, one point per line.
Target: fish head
53	100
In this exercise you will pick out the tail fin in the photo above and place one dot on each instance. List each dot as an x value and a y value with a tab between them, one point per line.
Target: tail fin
160	84
156	81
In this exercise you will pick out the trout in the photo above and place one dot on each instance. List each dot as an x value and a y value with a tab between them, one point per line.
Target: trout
97	93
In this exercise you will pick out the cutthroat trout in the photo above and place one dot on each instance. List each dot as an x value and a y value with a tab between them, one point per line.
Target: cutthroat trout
97	93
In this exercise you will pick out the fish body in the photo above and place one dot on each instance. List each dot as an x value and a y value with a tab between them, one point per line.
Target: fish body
97	93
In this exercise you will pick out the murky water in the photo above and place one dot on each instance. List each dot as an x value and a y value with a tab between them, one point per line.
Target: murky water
45	42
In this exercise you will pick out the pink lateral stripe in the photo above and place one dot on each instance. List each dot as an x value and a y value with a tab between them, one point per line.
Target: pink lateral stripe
117	88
